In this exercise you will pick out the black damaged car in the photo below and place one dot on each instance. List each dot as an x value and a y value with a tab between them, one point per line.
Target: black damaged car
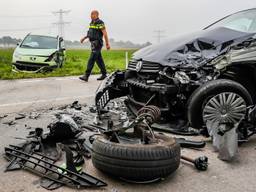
209	75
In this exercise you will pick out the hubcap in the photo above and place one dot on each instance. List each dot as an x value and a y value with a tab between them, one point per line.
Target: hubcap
225	107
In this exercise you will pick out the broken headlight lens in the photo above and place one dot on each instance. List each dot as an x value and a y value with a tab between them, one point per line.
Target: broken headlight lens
53	57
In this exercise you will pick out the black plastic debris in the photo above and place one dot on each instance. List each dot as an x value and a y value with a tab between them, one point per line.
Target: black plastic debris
42	153
44	166
20	116
64	128
76	105
184	143
10	122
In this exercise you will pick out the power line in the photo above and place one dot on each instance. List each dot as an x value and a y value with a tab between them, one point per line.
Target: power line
23	29
61	23
22	16
159	35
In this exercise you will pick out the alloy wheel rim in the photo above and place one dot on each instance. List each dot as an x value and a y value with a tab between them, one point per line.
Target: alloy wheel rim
227	107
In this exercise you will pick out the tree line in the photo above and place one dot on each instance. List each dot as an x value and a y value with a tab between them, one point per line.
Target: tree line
8	42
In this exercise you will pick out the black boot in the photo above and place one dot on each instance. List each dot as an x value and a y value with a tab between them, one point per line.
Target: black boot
84	78
102	77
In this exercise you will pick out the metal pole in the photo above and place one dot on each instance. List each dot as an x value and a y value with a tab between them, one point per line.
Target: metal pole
126	59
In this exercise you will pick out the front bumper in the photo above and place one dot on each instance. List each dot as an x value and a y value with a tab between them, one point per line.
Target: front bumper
28	67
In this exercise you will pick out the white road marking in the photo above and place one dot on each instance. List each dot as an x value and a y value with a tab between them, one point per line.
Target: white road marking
49	79
93	77
45	101
31	81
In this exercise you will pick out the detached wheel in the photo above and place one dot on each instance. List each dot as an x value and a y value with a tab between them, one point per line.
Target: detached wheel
219	100
137	162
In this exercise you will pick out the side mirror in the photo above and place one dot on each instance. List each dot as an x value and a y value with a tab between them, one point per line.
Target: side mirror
63	49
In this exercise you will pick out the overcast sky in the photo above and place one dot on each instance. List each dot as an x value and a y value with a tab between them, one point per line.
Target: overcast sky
134	20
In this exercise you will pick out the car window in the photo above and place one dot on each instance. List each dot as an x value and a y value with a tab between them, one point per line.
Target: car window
244	21
242	24
40	42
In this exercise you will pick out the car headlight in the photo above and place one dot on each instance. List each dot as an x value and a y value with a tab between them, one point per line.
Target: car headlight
17	55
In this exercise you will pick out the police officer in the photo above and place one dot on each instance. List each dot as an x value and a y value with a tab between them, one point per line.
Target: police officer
97	31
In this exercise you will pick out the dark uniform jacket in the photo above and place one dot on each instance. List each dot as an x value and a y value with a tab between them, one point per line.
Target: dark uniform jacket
95	34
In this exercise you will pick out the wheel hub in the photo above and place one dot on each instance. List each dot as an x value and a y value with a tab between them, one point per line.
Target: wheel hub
225	107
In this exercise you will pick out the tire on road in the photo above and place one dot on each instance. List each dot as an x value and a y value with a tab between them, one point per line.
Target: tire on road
137	162
204	93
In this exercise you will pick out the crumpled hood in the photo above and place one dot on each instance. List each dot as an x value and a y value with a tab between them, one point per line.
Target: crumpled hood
192	50
35	52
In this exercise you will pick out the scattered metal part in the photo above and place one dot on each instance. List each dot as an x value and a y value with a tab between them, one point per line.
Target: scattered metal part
123	117
97	127
34	115
184	143
89	128
201	163
20	116
45	167
93	109
76	105
3	116
63	107
116	106
10	123
97	120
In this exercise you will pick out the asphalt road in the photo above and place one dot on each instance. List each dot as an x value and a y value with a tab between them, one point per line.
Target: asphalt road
27	95
33	94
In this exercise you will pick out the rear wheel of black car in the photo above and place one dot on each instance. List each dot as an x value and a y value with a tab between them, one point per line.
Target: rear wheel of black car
219	100
137	162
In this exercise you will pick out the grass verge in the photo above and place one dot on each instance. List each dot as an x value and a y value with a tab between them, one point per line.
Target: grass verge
75	64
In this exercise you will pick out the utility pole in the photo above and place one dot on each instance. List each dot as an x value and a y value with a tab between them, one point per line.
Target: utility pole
159	35
61	23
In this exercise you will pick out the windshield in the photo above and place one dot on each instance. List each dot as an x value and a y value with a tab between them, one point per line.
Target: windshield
39	42
244	21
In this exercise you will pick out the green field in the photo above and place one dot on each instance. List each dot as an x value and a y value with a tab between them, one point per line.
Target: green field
75	64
